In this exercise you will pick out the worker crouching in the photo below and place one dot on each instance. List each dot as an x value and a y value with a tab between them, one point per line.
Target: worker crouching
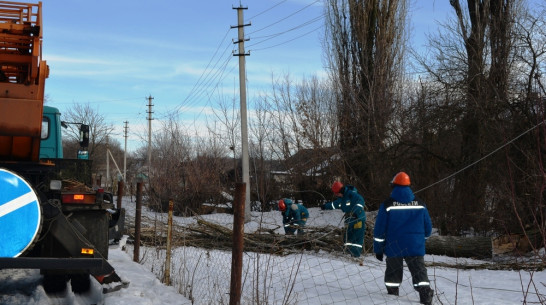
294	216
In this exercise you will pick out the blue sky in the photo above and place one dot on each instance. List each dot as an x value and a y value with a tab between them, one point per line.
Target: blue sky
113	54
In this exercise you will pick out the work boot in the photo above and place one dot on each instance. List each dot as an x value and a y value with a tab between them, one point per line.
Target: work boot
425	295
392	290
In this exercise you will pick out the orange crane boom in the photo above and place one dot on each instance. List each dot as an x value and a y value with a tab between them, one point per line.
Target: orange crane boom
22	80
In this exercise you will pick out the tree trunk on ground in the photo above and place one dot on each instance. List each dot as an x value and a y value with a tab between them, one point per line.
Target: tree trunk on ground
455	246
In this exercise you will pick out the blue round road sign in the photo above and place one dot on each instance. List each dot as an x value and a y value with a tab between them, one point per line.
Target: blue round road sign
20	216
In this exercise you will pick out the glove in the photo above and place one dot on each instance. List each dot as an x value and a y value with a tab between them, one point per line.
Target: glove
322	207
379	256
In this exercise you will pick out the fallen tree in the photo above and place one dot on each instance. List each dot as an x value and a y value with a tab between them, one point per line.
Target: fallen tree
210	235
455	246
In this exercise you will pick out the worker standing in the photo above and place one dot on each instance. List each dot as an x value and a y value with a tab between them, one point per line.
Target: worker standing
352	204
401	228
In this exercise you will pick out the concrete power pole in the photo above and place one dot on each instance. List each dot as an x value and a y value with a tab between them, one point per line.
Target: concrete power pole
150	98
242	91
125	151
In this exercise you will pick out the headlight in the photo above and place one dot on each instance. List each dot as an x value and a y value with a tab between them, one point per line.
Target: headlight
55	185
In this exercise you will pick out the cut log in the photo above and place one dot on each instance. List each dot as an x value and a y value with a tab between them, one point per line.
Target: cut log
455	246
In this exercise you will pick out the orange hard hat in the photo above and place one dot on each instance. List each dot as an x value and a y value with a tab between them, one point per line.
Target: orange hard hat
282	206
401	179
336	187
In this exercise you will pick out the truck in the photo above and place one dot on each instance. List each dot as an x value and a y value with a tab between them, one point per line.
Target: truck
52	217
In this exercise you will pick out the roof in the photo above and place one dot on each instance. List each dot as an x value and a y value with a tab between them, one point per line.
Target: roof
312	161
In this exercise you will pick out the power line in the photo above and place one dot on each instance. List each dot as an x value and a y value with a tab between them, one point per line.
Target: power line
201	90
291	29
285	42
206	68
215	73
282	19
267	10
482	158
203	80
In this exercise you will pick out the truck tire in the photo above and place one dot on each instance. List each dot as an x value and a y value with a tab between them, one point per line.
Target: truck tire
54	283
80	282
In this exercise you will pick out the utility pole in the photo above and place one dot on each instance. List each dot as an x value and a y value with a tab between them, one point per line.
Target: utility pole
242	91
125	151
150	98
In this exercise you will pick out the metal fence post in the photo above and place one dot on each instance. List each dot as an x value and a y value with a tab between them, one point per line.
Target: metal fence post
138	216
237	250
167	276
120	193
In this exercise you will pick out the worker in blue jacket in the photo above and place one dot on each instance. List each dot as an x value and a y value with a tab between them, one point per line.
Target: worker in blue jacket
352	204
401	229
294	216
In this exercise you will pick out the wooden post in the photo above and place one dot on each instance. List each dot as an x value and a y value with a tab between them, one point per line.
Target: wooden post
167	276
120	193
237	250
138	216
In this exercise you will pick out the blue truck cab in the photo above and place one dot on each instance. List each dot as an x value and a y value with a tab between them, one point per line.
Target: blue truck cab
51	141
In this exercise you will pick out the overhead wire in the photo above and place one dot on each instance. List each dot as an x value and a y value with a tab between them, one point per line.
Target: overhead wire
282	19
215	73
291	29
212	80
482	158
272	36
287	41
267	10
297	27
203	78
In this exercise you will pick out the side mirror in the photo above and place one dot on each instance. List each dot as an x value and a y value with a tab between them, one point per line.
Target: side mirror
84	135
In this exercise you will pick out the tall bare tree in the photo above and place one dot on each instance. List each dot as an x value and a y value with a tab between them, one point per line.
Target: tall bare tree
485	29
365	44
476	97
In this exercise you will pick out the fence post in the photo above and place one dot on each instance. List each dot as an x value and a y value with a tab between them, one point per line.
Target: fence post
120	193
138	216
237	250
167	276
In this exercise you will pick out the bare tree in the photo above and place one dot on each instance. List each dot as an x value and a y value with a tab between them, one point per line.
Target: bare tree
530	31
227	129
316	110
283	103
261	155
484	30
303	131
171	149
476	97
206	172
99	134
365	43
99	129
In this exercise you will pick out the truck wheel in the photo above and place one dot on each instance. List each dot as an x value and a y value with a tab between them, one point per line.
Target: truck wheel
80	282
54	283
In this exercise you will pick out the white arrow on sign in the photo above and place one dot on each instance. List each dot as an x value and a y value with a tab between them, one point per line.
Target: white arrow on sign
17	203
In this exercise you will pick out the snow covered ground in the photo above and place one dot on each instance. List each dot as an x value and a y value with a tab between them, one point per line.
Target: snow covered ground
311	278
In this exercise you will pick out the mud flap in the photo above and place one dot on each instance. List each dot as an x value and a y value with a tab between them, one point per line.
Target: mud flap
73	241
107	288
111	282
